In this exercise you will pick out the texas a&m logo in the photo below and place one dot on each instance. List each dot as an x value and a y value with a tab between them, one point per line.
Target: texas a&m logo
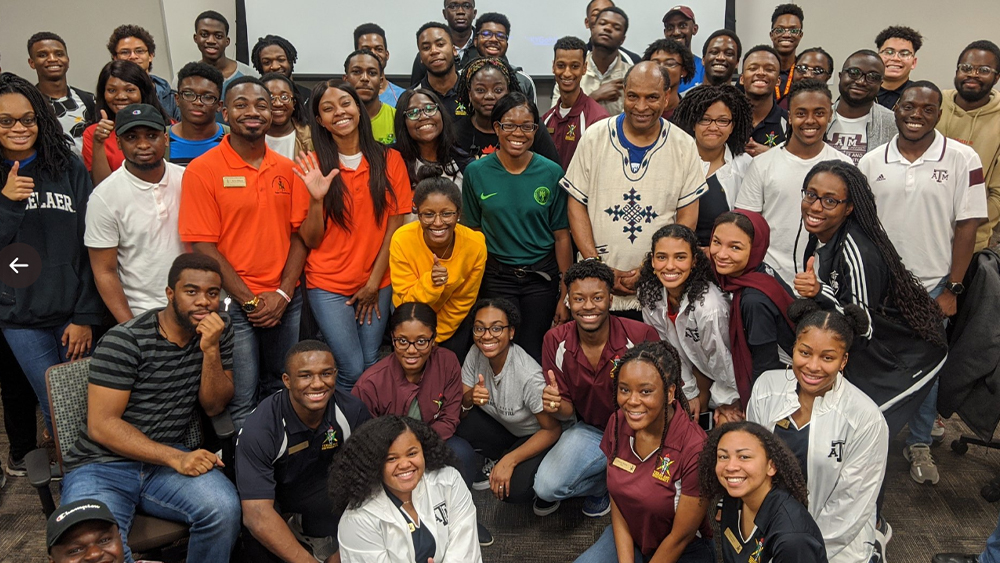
939	176
837	450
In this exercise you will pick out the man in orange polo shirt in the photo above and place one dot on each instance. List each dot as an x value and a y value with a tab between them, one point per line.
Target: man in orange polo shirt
242	205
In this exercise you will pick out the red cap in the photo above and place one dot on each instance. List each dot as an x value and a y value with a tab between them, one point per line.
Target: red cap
683	10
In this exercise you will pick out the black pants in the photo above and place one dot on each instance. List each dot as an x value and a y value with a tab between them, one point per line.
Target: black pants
461	341
493	441
312	501
533	295
18	404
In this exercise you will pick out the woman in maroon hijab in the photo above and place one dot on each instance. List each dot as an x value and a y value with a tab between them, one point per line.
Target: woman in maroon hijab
760	334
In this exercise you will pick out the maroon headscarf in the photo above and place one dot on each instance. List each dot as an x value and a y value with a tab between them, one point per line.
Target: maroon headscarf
766	284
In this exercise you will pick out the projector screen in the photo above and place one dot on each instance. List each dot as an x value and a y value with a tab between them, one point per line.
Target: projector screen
323	30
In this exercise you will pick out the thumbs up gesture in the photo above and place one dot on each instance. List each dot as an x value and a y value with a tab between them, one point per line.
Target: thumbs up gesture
439	274
806	283
18	188
551	399
480	394
104	128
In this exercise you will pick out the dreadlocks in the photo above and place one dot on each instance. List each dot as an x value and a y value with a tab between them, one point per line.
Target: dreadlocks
267	41
52	146
465	80
696	102
650	289
905	292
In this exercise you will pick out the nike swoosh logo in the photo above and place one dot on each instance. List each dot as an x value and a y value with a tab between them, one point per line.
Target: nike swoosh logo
484	197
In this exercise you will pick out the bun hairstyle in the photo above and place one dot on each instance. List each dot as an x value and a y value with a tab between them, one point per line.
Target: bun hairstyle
806	313
431	180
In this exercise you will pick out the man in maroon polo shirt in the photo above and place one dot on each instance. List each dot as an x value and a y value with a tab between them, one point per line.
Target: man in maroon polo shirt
575	111
577	358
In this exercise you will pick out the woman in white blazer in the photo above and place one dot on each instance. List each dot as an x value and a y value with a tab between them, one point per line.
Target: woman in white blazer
832	427
405	501
680	300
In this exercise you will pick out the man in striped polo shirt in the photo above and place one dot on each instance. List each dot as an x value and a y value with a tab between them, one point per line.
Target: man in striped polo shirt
146	376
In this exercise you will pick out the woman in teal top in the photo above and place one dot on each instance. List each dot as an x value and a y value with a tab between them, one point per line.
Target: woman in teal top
513	197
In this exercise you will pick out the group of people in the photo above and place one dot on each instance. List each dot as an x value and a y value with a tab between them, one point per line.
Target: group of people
672	294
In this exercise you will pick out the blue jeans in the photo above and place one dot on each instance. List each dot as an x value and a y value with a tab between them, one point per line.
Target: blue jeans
923	420
355	345
466	458
259	357
574	467
36	350
208	503
992	552
700	550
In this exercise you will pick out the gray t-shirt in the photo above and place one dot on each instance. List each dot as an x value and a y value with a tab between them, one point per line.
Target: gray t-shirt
515	394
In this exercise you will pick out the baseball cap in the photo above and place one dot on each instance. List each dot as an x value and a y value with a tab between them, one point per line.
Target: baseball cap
69	515
136	115
682	10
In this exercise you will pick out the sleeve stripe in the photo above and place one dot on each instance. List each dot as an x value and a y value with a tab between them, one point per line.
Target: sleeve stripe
859	280
573	191
976	177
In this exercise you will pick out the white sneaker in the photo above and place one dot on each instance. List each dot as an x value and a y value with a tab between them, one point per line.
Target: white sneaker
937	429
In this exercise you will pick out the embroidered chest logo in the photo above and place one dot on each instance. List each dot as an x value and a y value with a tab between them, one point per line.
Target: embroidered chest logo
615	362
330	441
771	139
441	513
662	471
939	176
837	450
632	213
755	556
542	195
280	186
571	133
440	405
692	333
460	109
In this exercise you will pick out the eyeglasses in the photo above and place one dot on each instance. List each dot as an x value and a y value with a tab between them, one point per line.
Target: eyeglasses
721	122
828	203
207	99
889	52
429	216
27	120
811	70
855	74
456	6
793	31
977	70
487	34
495	330
283	98
413	114
524	127
125	53
420	344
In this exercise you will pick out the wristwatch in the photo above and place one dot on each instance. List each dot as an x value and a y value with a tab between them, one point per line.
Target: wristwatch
955	287
251	306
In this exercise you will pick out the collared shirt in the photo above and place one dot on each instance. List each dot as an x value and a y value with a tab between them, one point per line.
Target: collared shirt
140	220
771	131
453	108
594	79
590	389
889	98
567	125
783	531
920	202
277	452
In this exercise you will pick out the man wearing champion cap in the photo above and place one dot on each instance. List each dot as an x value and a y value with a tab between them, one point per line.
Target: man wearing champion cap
679	25
84	530
131	231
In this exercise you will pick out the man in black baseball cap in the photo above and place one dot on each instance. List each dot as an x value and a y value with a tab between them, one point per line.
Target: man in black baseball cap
84	530
135	115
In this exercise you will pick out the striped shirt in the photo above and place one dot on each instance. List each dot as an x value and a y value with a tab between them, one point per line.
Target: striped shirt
163	380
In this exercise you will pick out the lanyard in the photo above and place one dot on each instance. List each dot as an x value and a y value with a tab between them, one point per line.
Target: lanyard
788	85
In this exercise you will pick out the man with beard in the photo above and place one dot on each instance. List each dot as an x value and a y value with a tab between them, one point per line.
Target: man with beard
436	53
147	377
971	115
48	56
761	67
491	38
858	124
577	358
786	34
679	25
898	46
721	56
132	217
274	53
363	70
242	205
459	14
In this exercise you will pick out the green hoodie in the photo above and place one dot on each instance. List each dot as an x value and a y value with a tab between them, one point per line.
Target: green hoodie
980	129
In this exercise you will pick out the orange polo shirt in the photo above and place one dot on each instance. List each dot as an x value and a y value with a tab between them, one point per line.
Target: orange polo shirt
249	213
344	260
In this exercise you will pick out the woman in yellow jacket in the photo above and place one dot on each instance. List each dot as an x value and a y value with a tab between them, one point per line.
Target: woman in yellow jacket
436	261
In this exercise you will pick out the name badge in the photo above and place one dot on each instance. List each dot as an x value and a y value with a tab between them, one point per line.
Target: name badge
622	464
298	448
732	540
234	182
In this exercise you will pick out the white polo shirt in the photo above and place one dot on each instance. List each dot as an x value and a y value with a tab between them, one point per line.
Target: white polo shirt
920	202
140	219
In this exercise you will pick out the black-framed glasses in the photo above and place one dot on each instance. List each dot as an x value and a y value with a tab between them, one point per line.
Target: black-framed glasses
495	330
827	202
524	127
413	114
977	70
793	31
855	73
721	121
420	344
889	52
456	6
487	34
811	70
28	120
207	99
283	98
429	216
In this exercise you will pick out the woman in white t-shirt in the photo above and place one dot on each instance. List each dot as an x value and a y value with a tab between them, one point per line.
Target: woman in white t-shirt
289	134
502	414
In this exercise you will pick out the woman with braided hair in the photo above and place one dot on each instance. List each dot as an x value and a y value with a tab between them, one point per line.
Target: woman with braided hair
483	82
652	446
720	119
764	497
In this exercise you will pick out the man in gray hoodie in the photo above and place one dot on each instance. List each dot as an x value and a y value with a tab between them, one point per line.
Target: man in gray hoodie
858	124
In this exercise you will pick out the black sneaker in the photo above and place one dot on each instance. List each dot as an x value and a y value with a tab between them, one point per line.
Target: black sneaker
15	468
482	481
544	507
485	537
